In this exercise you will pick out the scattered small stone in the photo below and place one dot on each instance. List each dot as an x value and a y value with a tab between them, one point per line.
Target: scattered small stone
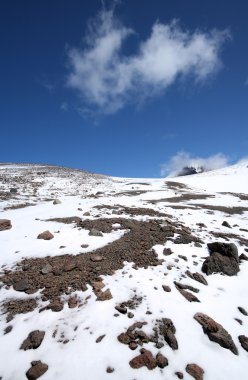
62	246
22	285
167	251
86	213
121	309
37	370
46	235
46	269
243	257
239	321
130	315
145	359
96	258
161	360
242	310
5	224
226	224
166	288
195	371
183	257
197	277
72	302
33	340
84	245
159	345
133	345
110	370
104	296
8	329
94	232
100	338
56	306
179	375
57	202
244	342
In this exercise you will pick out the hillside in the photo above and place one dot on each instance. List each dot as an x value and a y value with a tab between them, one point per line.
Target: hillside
116	278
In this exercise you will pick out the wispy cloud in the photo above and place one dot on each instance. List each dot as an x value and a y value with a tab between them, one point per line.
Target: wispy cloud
184	159
107	80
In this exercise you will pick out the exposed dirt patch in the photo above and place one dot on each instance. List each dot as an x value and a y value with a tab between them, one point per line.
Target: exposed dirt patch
130	193
18	306
66	220
182	198
133	211
176	185
227	210
70	273
242	197
21	205
228	237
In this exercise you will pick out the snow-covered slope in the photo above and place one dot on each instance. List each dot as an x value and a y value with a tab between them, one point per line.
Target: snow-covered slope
232	179
98	300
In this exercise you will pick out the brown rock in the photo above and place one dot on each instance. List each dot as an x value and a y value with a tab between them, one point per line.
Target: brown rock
195	371
133	345
242	310
37	370
216	332
47	269
226	224
100	338
189	296
243	257
21	285
56	305
197	277
224	259
110	370
179	375
145	359
72	302
121	309
33	340
96	258
104	296
124	338
244	342
166	288
168	330
46	235
5	224
161	360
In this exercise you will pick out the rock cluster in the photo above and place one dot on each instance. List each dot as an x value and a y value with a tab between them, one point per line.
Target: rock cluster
223	259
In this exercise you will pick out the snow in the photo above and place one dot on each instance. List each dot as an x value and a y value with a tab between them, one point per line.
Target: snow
81	326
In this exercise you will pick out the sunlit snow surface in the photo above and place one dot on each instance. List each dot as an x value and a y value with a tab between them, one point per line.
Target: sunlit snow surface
82	357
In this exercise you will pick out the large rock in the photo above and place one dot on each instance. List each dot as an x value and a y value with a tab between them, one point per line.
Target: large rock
5	224
33	340
37	370
216	332
223	259
46	235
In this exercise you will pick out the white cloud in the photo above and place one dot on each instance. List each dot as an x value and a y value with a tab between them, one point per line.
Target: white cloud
183	159
107	80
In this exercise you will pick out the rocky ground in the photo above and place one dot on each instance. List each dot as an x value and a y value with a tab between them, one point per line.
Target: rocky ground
122	278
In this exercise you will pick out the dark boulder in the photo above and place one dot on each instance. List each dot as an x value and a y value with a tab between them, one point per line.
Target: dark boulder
223	259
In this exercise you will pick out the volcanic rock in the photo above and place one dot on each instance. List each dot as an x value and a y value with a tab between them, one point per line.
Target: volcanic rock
168	330
195	371
224	259
161	360
197	277
244	342
46	235
5	224
37	370
94	232
226	224
145	359
57	202
216	332
242	310
33	340
21	285
46	269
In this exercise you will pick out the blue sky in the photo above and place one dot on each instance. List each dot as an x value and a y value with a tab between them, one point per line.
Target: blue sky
130	89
